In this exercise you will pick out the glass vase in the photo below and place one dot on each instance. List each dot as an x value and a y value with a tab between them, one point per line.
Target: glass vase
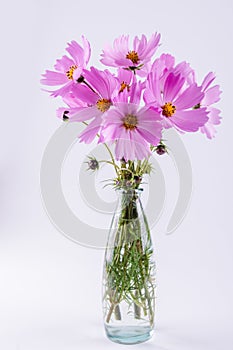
129	273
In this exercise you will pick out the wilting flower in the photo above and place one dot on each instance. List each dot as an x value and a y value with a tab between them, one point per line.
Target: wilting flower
121	55
68	69
133	129
212	95
97	95
175	103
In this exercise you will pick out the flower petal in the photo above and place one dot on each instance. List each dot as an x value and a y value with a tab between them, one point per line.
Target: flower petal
85	113
147	50
102	81
86	49
52	78
135	93
141	147
76	52
112	116
152	133
190	120
184	69
214	119
64	90
212	95
172	87
91	130
85	94
147	114
209	78
214	116
153	91
123	146
63	64
189	98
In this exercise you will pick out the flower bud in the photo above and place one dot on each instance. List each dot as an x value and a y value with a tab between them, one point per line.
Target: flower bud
65	116
137	179
93	164
161	149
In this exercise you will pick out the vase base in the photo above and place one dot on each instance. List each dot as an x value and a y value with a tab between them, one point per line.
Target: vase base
128	334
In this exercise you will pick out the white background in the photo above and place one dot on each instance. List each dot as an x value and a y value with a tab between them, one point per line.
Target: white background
50	287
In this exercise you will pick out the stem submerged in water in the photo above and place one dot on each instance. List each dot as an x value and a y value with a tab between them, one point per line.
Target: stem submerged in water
129	272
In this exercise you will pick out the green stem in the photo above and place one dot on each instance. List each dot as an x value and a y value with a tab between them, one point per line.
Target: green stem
112	158
110	312
109	151
137	308
116	256
117	312
129	272
108	162
147	294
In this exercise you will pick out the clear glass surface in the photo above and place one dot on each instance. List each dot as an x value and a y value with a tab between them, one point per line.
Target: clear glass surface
129	273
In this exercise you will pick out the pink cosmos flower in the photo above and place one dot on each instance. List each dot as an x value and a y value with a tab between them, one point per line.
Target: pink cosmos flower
133	129
165	64
212	95
96	95
121	55
175	103
68	70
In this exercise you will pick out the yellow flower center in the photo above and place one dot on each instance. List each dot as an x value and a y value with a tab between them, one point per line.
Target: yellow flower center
103	104
124	86
70	72
168	109
133	56
130	121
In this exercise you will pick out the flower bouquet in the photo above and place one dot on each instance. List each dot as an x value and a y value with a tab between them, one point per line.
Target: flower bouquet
127	111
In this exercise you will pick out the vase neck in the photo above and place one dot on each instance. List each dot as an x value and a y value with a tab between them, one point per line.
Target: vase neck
130	193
